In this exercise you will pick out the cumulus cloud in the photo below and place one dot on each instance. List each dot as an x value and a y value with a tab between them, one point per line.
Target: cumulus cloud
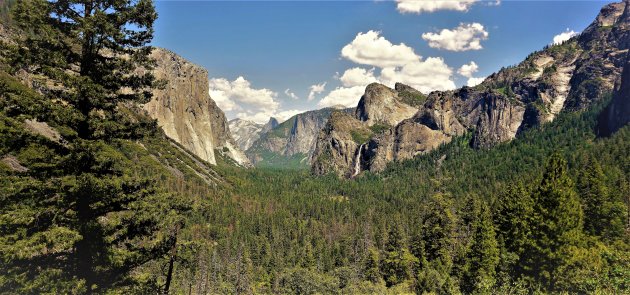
315	90
372	49
346	96
564	36
290	94
472	81
357	77
232	95
240	99
425	76
397	63
463	38
468	70
420	6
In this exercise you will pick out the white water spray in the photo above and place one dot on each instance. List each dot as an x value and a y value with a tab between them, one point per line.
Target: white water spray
357	162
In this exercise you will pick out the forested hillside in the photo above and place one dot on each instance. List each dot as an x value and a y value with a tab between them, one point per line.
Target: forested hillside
95	199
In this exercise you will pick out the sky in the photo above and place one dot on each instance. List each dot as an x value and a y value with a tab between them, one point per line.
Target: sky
280	58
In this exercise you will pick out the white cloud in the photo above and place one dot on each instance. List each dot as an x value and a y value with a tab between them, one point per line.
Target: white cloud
233	95
241	100
425	76
372	49
420	6
346	96
397	63
315	90
468	70
463	38
290	94
564	36
357	77
472	81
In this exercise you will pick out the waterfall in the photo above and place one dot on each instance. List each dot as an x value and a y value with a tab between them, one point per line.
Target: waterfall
357	162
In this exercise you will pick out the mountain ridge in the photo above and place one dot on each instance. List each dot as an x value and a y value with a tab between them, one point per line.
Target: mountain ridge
567	77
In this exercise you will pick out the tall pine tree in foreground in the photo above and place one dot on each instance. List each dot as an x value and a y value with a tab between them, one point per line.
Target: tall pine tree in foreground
604	212
556	223
96	220
483	256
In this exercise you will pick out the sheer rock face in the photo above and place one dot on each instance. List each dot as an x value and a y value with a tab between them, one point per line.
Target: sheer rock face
337	148
617	114
245	132
381	105
567	77
186	112
295	136
499	121
404	141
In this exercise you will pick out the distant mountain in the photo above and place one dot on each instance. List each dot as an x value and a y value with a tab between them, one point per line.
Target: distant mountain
567	77
244	132
187	113
289	144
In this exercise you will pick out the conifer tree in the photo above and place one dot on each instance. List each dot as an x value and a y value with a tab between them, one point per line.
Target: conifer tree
603	215
372	271
398	262
94	50
556	224
483	256
95	58
512	218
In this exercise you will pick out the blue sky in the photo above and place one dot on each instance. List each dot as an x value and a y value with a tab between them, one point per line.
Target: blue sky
278	45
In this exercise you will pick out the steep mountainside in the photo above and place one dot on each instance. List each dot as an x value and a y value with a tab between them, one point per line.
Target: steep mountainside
291	143
617	114
187	113
570	76
246	132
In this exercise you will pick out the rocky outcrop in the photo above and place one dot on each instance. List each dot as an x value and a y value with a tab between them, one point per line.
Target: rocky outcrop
271	124
187	113
617	114
339	146
292	140
405	141
381	105
245	132
500	119
566	77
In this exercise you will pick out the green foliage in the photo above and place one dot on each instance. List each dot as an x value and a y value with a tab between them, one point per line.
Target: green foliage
360	136
412	98
379	128
79	217
483	257
91	56
556	224
604	212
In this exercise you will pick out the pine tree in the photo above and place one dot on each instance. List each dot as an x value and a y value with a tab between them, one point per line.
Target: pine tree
603	215
556	224
112	220
372	269
514	210
94	50
398	262
483	257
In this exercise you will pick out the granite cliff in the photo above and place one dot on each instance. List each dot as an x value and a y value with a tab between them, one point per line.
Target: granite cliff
290	144
187	113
